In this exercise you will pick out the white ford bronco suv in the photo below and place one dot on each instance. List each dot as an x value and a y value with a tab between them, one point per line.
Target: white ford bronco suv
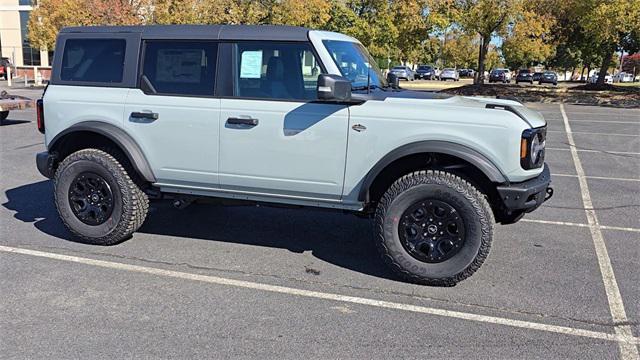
282	115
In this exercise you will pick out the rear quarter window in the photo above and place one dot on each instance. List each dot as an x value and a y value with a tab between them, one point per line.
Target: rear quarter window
93	60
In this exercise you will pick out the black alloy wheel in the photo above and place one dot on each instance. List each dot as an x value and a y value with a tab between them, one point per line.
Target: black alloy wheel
431	231
91	198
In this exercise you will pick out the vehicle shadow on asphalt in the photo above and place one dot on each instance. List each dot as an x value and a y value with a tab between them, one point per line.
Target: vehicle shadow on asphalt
33	203
8	122
340	239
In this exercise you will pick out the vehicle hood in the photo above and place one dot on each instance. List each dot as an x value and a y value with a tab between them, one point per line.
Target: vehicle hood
458	105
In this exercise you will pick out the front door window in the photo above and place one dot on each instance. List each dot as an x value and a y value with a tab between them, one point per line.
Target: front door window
282	71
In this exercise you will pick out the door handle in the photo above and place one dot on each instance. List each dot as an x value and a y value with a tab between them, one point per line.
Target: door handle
145	115
242	121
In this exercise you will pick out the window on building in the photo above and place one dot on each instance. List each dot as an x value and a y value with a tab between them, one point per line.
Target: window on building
93	60
30	56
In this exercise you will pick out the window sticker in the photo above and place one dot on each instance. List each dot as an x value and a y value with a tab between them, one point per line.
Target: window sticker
251	64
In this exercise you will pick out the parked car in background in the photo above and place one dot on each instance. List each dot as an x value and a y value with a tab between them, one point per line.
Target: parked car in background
403	72
500	75
449	74
548	77
426	72
524	75
536	76
467	73
623	77
608	79
4	65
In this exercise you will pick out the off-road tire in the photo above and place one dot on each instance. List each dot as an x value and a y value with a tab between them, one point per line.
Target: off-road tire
437	185
130	203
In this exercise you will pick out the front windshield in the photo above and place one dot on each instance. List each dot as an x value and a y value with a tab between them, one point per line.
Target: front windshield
355	63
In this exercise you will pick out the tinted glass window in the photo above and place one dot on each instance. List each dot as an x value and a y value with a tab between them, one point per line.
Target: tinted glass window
276	71
181	67
93	60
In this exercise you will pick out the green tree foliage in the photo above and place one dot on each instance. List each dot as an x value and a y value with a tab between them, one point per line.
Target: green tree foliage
460	50
611	23
485	18
528	40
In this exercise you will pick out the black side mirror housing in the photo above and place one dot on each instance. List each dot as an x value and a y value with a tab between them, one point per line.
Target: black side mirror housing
393	81
333	88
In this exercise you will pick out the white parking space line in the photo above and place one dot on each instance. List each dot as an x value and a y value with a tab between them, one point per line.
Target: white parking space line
596	151
552	117
616	306
595	133
597	177
564	223
611	114
605	121
628	341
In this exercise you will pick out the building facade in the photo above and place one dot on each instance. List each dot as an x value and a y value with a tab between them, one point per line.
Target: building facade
14	39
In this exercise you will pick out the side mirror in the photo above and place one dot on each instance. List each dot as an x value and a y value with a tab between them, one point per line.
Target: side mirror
393	80
333	88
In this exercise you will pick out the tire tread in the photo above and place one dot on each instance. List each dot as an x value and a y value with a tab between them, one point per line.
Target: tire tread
478	201
135	201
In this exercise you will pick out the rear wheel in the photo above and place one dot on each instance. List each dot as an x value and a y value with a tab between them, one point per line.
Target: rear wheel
96	198
434	228
3	116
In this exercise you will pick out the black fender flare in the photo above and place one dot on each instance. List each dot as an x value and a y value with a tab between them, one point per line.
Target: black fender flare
488	168
126	143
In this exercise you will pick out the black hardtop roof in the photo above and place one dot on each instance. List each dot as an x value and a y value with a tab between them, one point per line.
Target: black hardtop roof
208	32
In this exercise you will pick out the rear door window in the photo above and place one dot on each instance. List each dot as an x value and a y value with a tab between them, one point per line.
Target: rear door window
93	60
181	67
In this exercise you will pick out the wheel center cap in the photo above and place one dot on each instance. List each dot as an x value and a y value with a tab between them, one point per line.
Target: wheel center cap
432	229
95	198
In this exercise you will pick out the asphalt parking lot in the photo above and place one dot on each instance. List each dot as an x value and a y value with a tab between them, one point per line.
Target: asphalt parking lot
220	282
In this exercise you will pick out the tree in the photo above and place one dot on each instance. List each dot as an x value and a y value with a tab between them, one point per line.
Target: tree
493	59
528	41
50	16
611	24
459	50
631	64
486	18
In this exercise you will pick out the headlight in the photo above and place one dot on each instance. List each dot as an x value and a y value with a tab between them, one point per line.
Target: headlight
532	148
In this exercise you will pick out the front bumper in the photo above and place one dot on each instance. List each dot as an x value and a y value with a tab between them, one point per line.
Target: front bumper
45	163
528	195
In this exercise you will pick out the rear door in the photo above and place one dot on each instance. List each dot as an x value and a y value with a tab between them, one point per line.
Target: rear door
274	139
174	115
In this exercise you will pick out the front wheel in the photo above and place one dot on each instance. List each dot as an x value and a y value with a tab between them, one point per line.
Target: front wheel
96	198
433	228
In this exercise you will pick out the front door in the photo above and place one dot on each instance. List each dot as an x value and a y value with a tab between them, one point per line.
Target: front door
174	116
273	138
